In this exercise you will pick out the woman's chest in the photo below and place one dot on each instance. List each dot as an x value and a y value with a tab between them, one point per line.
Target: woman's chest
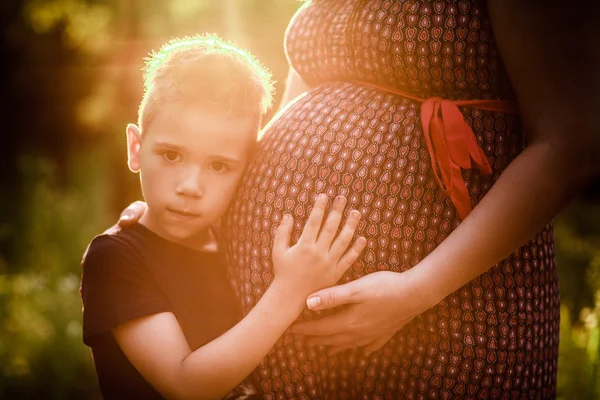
431	47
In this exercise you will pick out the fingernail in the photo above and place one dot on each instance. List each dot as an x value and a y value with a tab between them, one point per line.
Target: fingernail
313	302
340	199
286	217
125	217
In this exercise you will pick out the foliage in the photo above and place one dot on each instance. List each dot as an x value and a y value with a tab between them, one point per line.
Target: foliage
41	352
577	234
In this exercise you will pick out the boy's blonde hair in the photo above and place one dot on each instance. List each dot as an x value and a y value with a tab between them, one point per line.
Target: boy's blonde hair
206	71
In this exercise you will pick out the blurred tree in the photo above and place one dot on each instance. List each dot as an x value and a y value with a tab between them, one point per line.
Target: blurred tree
577	233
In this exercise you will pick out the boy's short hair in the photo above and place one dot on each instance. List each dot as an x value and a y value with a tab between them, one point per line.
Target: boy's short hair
206	71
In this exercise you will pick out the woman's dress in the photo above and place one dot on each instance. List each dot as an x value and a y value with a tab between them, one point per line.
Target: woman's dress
496	337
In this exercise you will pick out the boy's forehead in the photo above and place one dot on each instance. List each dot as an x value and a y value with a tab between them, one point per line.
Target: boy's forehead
199	128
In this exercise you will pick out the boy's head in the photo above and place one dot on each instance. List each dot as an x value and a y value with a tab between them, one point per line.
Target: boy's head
197	124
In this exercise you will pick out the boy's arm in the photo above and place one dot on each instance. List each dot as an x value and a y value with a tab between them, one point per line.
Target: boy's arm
157	347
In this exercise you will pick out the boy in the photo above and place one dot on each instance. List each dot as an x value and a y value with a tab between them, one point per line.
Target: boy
159	314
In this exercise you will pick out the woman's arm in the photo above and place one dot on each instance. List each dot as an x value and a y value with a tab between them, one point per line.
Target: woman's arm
157	347
294	87
552	57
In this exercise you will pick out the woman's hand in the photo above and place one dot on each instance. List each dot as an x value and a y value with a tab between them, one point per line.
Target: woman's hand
129	216
378	305
132	213
321	256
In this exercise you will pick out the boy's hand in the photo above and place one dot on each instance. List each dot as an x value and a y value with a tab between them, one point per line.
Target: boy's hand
320	257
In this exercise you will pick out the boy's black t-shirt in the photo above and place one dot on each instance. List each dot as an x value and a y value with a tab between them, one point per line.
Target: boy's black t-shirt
135	273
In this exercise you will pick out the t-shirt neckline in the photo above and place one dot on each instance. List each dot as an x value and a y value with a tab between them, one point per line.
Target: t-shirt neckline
144	230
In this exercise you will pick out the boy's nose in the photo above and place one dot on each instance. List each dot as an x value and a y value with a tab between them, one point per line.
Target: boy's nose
191	184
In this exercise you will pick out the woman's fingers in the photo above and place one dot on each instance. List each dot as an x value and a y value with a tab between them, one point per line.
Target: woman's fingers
333	350
334	296
342	241
112	230
332	223
315	219
377	344
343	340
336	349
132	213
283	235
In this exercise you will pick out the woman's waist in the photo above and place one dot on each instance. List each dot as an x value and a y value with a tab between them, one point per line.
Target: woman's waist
354	124
407	90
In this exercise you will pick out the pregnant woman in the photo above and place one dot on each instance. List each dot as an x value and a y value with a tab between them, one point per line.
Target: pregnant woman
411	113
392	84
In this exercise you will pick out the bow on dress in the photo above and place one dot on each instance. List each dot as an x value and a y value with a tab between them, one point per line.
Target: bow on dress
451	142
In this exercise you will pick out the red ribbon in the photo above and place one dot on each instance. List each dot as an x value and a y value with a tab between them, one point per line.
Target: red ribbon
451	142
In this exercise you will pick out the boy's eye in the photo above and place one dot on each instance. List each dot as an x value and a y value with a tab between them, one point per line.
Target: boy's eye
219	166
171	155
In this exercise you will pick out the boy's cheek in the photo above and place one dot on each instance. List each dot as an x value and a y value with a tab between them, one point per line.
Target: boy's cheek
235	179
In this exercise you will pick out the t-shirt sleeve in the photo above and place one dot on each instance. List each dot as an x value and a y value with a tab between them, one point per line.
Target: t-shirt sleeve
115	287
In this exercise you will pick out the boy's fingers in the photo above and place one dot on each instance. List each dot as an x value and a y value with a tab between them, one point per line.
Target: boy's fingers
283	235
332	223
342	241
351	255
315	219
132	213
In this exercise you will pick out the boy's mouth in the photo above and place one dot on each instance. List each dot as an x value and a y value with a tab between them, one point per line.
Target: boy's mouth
182	214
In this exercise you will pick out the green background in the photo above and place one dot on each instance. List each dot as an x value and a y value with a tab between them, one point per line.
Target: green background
70	79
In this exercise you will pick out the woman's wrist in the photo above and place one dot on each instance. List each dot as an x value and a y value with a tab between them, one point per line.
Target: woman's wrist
427	285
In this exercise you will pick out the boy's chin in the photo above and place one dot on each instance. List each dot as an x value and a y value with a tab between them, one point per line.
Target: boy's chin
187	235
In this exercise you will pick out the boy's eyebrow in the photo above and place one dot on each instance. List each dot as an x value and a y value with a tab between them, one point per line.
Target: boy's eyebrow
169	145
228	159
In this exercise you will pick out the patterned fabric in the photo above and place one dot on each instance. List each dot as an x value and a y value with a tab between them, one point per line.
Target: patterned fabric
243	391
496	337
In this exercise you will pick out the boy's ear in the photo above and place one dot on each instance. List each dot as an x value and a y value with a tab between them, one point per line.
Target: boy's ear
134	143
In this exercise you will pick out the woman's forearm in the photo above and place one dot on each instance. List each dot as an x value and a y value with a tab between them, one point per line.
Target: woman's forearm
208	372
556	87
528	194
294	87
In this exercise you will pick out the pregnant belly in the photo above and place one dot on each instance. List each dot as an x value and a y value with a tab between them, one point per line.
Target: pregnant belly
339	139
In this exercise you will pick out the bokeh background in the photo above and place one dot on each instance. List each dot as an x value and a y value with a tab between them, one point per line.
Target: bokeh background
70	80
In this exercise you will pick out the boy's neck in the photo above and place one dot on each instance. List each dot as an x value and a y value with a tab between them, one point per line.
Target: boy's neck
204	240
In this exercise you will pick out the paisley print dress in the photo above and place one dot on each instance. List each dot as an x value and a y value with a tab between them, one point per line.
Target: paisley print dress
497	336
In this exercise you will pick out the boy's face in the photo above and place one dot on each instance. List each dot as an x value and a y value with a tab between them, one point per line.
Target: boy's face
190	163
